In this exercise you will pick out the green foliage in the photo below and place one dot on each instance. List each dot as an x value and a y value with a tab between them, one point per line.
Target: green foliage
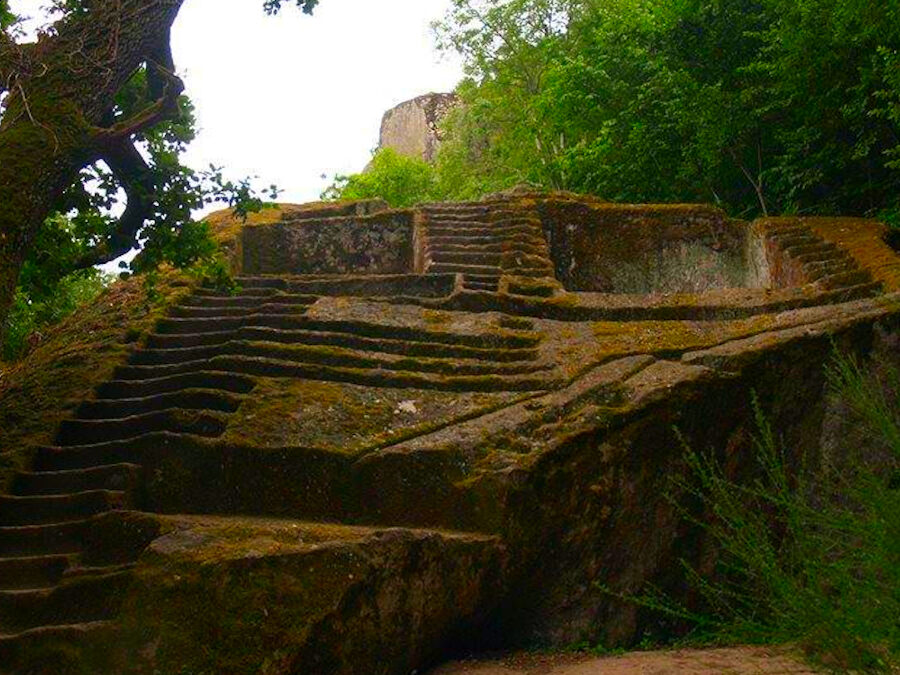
30	315
399	180
757	105
809	558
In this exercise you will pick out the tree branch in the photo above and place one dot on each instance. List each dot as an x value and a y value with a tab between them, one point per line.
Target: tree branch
136	179
165	107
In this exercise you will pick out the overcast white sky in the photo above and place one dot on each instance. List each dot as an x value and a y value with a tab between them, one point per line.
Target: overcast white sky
292	97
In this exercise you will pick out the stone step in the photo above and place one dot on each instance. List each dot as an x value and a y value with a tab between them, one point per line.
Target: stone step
491	247
846	279
480	286
91	636
369	344
198	422
91	598
826	253
128	389
481	230
130	451
444	268
309	355
483	278
33	572
466	258
188	399
214	324
123	477
806	249
815	271
44	509
34	540
252	294
189	312
270	299
397	378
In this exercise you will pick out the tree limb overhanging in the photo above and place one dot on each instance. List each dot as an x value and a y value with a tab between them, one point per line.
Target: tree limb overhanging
165	107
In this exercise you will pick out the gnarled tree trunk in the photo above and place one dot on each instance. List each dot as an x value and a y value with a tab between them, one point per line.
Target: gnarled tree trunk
59	91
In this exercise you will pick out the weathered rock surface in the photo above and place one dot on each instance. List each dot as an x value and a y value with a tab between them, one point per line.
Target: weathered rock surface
413	127
378	449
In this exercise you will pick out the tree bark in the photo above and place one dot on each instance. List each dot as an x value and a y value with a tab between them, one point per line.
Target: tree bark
58	97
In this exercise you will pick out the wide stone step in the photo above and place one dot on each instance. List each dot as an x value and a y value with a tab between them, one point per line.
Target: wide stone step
198	422
43	509
130	451
179	326
314	355
188	312
93	598
115	389
189	399
91	636
369	344
33	572
110	477
395	378
269	299
31	540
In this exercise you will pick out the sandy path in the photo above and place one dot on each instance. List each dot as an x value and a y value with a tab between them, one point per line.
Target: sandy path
732	661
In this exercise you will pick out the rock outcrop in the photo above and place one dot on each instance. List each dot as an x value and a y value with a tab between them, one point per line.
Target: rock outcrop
416	429
413	127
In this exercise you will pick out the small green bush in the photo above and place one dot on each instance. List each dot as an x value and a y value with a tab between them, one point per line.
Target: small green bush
810	559
399	180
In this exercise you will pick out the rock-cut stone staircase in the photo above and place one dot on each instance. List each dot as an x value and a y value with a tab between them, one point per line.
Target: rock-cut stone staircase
191	374
485	242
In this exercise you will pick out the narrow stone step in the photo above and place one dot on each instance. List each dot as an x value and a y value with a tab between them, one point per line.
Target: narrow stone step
481	230
846	279
807	249
484	278
117	389
198	422
82	600
33	572
174	325
480	286
43	509
492	247
445	268
121	477
467	258
826	254
33	540
188	399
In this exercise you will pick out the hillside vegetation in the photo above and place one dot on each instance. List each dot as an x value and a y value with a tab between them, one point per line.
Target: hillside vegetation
759	106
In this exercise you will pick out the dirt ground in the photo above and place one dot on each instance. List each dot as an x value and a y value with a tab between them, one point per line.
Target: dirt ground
731	661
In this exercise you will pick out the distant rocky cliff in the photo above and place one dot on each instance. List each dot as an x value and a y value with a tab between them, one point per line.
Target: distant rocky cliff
411	128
